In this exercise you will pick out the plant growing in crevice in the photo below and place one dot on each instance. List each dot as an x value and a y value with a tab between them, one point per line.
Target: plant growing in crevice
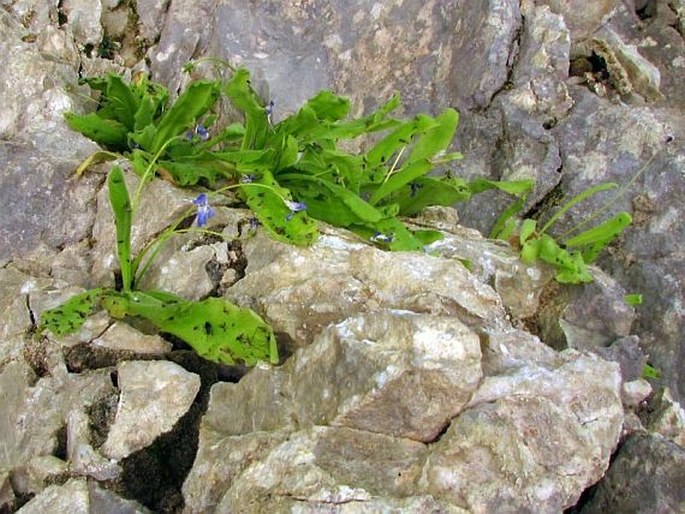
214	328
297	161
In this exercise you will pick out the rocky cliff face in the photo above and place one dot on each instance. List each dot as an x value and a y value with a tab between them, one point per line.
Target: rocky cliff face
412	383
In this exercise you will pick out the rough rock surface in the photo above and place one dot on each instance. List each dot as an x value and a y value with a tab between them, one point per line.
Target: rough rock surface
646	476
567	93
154	395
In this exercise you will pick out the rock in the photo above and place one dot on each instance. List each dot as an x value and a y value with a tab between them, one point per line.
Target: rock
282	285
666	417
154	395
632	153
629	72
633	393
79	496
584	317
151	17
312	466
83	459
83	18
493	262
32	415
534	411
389	352
583	19
627	352
646	475
120	336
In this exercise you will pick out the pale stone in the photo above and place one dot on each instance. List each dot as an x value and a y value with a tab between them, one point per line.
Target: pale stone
154	395
123	337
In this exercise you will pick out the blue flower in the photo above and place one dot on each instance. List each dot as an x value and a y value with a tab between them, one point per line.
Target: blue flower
295	206
380	237
201	132
204	210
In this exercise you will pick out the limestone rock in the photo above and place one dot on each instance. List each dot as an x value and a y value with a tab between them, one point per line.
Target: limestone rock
296	295
646	476
584	18
357	374
120	336
666	417
80	497
83	17
154	395
33	414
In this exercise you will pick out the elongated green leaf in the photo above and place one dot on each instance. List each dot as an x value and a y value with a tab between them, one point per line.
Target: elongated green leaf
192	172
402	136
267	199
436	139
95	158
575	200
404	176
108	133
121	206
244	98
425	191
328	106
124	105
527	229
215	328
70	316
195	101
597	238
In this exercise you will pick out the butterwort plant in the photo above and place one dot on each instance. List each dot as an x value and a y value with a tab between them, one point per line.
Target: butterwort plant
215	328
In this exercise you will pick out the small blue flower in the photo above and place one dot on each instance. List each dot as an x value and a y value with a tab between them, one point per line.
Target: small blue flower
380	237
201	132
295	206
204	210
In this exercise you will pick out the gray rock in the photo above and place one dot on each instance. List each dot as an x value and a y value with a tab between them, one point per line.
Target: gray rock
649	257
627	352
33	414
79	496
390	352
154	395
647	475
666	417
298	296
314	465
521	425
83	18
584	19
83	459
120	336
151	17
585	317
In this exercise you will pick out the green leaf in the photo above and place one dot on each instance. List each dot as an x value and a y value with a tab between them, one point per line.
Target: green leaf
108	133
266	199
244	98
121	206
195	101
70	316
403	177
575	200
436	139
191	172
123	104
329	107
382	151
649	371
633	299
215	328
597	238
425	191
527	230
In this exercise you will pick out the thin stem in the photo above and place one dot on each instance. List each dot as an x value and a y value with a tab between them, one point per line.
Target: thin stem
148	170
